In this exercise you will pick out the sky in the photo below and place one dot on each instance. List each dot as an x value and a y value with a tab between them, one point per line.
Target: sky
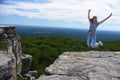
60	13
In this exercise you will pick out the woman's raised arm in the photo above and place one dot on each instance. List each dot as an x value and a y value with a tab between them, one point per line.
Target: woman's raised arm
100	22
89	15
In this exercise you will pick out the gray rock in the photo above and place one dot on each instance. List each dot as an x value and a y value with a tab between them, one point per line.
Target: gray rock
26	63
32	78
91	65
59	77
1	31
7	67
31	75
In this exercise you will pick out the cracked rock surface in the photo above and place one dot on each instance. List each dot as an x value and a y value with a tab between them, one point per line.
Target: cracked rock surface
91	65
7	67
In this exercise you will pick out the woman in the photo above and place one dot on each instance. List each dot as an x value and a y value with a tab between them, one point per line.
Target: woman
91	41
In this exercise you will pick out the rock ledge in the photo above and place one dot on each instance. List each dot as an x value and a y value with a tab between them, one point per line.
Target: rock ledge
91	65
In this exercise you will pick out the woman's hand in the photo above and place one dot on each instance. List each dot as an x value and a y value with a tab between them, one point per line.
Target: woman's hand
89	10
110	14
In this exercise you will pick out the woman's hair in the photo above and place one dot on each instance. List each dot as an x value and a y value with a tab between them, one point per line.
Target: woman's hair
93	18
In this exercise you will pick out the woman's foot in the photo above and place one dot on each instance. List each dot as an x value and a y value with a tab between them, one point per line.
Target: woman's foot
100	44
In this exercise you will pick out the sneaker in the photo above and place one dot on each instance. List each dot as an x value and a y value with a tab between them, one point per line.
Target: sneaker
100	44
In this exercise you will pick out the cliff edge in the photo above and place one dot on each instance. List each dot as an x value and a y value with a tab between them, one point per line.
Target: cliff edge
11	56
91	65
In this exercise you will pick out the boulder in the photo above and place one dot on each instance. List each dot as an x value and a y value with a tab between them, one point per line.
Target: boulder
31	75
26	63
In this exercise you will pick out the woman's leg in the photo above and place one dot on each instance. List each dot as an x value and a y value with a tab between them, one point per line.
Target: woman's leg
93	42
96	43
89	40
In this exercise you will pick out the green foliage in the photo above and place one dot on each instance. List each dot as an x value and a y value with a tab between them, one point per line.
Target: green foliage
2	46
46	49
18	78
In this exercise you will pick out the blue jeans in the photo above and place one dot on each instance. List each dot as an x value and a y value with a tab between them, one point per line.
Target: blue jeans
91	41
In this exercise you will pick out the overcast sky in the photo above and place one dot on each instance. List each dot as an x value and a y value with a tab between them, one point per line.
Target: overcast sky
60	13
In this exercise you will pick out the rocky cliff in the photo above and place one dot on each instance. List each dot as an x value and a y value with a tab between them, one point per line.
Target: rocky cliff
13	53
91	65
12	61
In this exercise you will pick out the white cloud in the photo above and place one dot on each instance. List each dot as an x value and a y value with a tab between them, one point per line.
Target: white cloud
67	10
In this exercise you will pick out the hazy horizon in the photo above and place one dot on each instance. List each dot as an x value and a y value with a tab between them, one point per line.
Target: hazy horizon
16	25
25	31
